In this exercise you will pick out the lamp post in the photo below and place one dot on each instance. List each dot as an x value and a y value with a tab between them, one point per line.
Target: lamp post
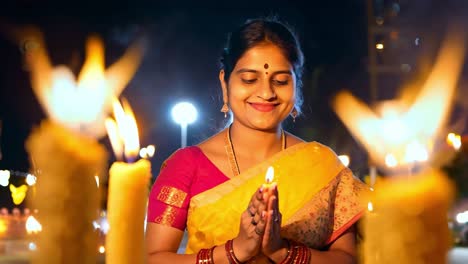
184	113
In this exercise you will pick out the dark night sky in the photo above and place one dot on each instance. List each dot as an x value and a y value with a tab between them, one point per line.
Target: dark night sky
182	63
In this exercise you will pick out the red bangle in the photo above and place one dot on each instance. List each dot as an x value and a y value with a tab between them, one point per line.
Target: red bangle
230	253
205	256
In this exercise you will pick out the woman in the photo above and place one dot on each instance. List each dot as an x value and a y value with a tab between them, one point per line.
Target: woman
217	189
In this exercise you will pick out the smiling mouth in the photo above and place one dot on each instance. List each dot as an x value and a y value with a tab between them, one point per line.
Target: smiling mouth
263	107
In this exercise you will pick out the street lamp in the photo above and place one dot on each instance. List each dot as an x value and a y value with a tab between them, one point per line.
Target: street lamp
184	113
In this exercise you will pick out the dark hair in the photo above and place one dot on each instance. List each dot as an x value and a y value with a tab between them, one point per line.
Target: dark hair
259	31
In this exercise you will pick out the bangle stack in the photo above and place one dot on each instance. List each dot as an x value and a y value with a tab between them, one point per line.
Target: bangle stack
205	256
230	253
297	254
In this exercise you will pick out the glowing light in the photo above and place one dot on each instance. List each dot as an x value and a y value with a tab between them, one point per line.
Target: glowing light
32	246
370	207
123	131
391	161
30	179
344	159
462	218
184	113
61	93
147	152
4	177
97	180
3	225
416	151
270	174
102	249
454	140
32	225
379	46
420	113
18	193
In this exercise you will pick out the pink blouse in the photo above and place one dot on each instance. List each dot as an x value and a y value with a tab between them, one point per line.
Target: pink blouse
186	173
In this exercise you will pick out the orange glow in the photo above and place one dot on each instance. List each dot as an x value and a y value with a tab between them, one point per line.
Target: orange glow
123	131
404	130
82	103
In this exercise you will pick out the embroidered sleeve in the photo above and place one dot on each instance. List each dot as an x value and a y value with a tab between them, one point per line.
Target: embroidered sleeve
169	196
348	204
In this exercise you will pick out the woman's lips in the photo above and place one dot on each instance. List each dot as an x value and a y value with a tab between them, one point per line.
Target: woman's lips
263	107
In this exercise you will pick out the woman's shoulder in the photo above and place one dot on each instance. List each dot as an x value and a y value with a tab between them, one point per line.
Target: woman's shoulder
292	140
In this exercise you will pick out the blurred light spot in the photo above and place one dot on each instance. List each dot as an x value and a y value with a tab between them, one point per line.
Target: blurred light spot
4	177
454	140
379	46
102	249
370	207
30	179
462	218
390	161
344	159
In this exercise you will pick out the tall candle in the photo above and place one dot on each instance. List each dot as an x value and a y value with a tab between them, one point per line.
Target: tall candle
128	193
408	223
67	197
65	148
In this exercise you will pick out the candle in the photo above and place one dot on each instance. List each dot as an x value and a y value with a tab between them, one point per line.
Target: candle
128	192
66	196
65	149
269	176
407	221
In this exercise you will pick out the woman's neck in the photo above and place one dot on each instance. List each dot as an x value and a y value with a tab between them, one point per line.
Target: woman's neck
255	144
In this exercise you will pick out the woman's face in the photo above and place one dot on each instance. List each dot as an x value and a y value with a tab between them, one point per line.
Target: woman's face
261	90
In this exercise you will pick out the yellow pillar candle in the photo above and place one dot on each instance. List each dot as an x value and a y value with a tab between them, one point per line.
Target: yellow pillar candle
408	221
128	192
67	197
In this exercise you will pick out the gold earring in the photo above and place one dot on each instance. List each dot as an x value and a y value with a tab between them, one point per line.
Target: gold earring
225	109
294	114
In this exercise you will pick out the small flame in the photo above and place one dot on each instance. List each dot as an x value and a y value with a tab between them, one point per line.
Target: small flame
32	225
454	140
370	207
123	131
270	174
97	180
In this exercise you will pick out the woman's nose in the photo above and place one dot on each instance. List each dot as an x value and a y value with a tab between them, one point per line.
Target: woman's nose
266	91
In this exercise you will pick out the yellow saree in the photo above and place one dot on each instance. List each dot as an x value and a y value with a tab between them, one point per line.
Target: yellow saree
318	199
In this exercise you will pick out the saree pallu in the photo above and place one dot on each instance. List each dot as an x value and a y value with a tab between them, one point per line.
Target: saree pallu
318	199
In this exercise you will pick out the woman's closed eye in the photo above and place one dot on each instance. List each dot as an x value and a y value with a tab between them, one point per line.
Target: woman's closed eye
249	81
280	82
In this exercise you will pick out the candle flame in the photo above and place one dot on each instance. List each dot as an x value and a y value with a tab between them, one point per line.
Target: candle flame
408	126
370	207
82	103
454	140
123	131
32	225
270	174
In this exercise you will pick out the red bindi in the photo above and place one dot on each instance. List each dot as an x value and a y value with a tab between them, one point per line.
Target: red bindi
266	66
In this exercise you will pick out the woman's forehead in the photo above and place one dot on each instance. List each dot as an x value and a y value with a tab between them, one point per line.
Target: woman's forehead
259	56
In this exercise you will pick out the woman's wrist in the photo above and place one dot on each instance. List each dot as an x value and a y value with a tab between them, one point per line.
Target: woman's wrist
279	255
237	251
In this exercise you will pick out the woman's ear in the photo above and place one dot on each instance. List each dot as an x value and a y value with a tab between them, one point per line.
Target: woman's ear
223	86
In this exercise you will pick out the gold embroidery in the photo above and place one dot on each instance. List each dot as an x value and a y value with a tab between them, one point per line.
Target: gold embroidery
167	217
172	196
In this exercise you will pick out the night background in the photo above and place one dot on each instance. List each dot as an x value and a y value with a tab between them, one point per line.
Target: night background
181	62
